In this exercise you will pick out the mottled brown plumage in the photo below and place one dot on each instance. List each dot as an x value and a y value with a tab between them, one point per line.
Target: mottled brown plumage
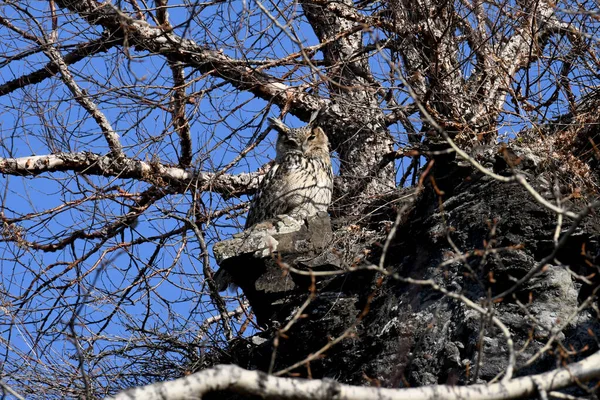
300	182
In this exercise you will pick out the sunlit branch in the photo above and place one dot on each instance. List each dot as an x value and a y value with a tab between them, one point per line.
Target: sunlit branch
84	100
82	51
179	100
227	185
161	40
241	381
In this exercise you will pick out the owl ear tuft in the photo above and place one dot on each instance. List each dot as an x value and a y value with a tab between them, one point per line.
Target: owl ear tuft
278	125
318	131
319	134
313	117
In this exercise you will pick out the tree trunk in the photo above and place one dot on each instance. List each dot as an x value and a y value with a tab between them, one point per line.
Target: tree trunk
459	245
354	120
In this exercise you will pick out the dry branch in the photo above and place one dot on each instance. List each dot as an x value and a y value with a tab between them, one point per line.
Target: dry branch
82	51
112	137
160	40
241	381
156	173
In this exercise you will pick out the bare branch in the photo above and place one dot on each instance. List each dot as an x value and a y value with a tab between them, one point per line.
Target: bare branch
180	120
231	377
153	172
159	40
83	99
82	51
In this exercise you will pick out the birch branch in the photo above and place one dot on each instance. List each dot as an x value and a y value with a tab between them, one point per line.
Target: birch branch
161	40
178	99
82	51
156	173
84	100
241	381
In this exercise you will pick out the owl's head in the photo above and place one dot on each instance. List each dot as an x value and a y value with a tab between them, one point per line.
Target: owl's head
308	140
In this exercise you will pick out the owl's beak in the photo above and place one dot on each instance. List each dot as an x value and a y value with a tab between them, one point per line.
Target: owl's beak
278	125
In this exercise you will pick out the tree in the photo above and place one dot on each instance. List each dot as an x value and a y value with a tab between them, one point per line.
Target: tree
465	135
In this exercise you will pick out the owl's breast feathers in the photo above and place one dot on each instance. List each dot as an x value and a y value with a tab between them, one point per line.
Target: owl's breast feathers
299	185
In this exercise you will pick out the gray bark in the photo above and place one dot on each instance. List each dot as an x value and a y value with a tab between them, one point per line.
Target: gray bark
355	120
153	172
451	308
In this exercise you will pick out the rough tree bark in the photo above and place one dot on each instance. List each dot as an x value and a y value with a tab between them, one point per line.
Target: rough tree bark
355	121
466	235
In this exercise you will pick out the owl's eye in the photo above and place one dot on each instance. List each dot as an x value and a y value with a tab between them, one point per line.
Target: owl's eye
312	137
290	142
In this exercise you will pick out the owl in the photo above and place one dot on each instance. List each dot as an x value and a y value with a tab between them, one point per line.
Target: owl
300	182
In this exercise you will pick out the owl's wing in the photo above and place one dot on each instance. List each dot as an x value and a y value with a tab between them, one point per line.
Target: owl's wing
256	211
273	196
